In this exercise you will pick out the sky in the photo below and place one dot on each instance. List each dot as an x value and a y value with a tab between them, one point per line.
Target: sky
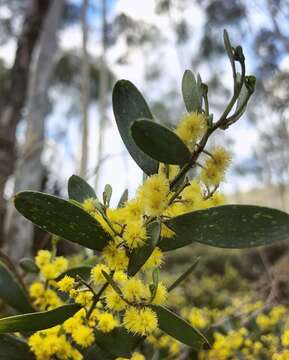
120	170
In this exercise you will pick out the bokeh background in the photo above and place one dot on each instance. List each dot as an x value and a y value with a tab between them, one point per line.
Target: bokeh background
58	63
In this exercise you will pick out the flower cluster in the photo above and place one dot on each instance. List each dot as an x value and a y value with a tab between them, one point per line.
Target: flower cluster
110	297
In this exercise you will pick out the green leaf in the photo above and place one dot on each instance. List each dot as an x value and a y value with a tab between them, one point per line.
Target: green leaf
107	193
123	199
159	142
12	292
118	342
79	189
155	284
37	321
82	271
128	106
112	283
178	328
229	50
62	218
91	260
140	255
29	265
13	348
229	226
191	92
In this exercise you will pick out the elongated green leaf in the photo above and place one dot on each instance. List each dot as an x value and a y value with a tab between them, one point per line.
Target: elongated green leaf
13	348
128	106
79	189
112	283
178	328
61	218
247	90
107	193
123	199
191	92
29	265
140	255
82	271
159	142
229	226
228	48
12	292
118	342
37	321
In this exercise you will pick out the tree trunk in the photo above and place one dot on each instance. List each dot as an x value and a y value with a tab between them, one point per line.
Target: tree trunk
10	113
29	168
103	87
85	87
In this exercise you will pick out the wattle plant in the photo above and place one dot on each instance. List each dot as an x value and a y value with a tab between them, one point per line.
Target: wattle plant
115	301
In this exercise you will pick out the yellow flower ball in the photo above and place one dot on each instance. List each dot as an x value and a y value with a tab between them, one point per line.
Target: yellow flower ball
141	321
97	275
106	322
66	283
83	336
161	295
134	290
134	234
191	127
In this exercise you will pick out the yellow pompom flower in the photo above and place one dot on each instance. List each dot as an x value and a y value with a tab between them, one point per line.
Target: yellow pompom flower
214	169
192	196
174	348
153	195
119	276
137	356
83	336
61	264
211	175
50	344
72	323
97	275
155	260
84	298
42	258
141	321
161	295
198	318
106	322
221	157
134	234
49	271
66	283
135	290
113	300
133	209
115	257
285	338
191	127
215	200
49	268
36	290
52	299
263	321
